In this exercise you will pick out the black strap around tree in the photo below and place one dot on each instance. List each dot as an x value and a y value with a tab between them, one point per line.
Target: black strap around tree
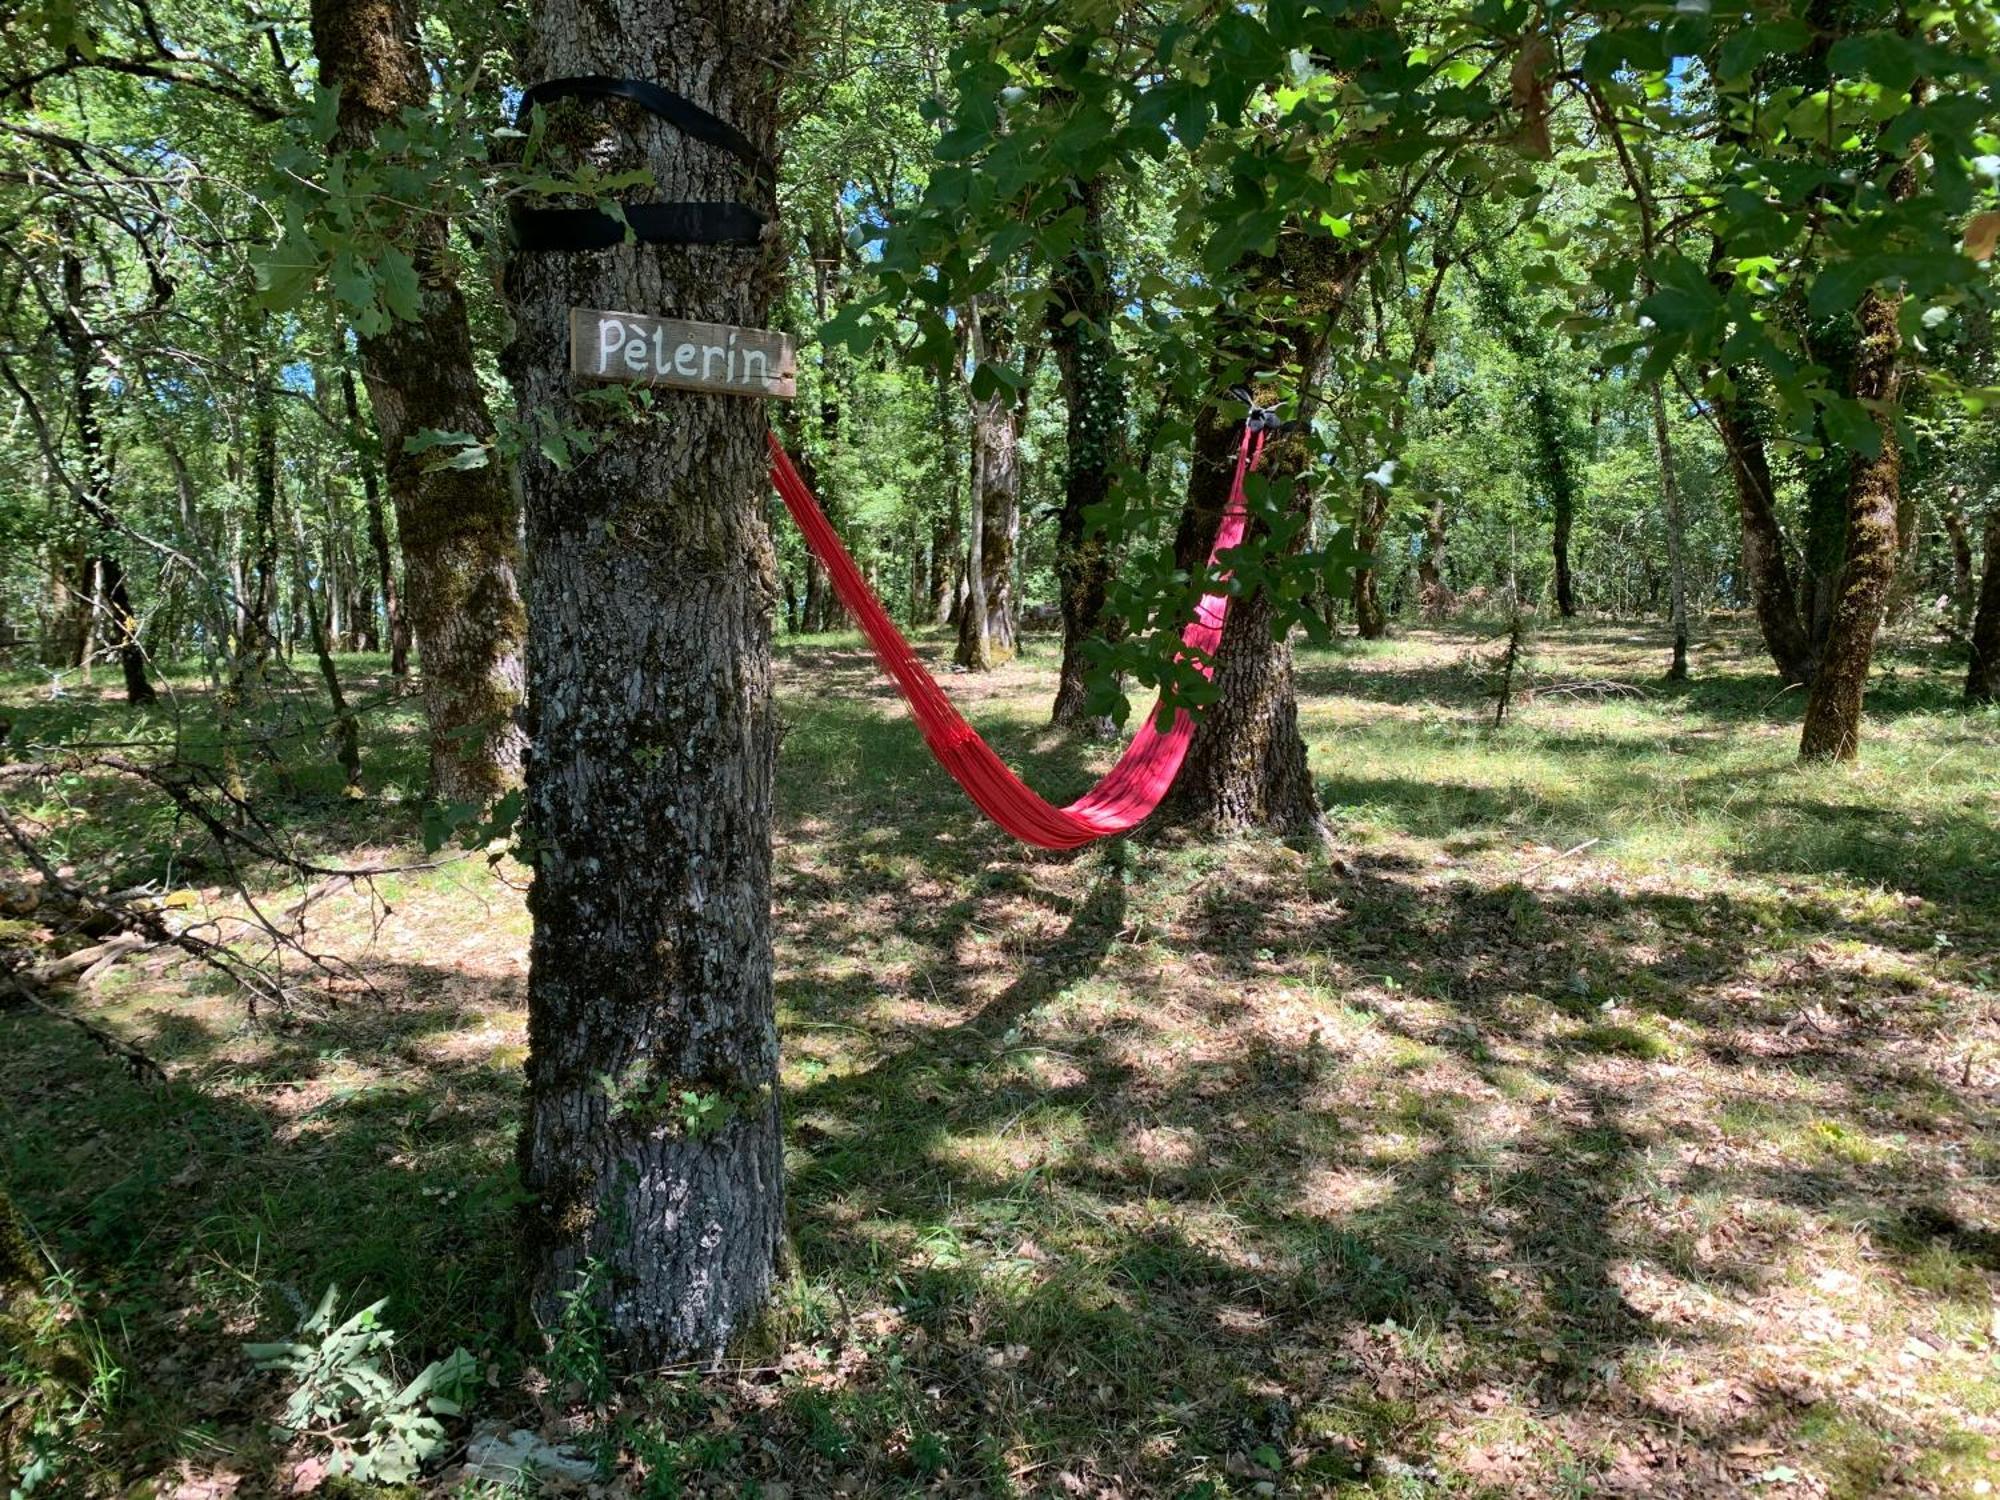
652	223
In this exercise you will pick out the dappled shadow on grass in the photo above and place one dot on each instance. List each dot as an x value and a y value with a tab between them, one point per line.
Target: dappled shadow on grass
1162	1165
1432	1201
1780	821
1456	667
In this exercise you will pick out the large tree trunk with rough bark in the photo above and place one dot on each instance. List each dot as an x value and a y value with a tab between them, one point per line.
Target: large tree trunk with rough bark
1982	679
1247	765
459	528
1093	388
1833	702
1772	592
651	1151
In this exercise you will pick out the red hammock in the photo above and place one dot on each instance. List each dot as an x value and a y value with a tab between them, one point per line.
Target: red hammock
1133	787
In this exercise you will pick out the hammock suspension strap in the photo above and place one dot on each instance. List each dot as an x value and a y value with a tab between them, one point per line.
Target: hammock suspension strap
652	223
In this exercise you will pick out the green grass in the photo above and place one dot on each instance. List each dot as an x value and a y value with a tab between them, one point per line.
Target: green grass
1621	1118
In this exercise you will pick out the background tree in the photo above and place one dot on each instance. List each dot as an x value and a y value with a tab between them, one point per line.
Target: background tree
458	523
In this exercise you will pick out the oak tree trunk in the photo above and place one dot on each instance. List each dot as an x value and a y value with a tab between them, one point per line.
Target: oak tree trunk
1433	594
972	651
1959	534
1093	389
986	635
459	528
1371	623
1247	765
1565	506
1772	592
1833	702
996	482
112	599
378	536
651	1151
1670	494
1982	679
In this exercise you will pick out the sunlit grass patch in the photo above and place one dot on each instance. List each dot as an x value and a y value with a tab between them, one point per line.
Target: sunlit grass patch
1642	1038
1618	1104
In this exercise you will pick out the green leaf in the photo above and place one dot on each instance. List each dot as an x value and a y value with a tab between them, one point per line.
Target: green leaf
1849	424
396	280
288	272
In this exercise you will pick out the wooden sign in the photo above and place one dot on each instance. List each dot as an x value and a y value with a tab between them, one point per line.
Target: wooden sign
645	350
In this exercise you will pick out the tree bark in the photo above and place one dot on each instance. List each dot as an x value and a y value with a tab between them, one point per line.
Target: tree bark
996	485
1562	487
1670	494
1433	593
1093	388
1371	622
1833	702
1960	535
1772	592
972	653
651	1149
112	597
1246	767
459	528
346	733
259	622
378	536
1982	678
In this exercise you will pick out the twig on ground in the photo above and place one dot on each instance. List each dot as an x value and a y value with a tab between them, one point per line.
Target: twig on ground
1553	858
138	1062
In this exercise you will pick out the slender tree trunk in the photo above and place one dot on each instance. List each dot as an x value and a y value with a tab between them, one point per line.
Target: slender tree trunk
816	587
378	535
260	628
1670	494
972	653
459	528
1433	593
1982	678
948	531
996	482
71	568
1833	702
1960	535
112	598
944	563
1565	508
1371	623
1093	387
346	734
1772	592
651	1151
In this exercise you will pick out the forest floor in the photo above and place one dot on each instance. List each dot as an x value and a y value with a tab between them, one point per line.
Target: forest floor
1620	1120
